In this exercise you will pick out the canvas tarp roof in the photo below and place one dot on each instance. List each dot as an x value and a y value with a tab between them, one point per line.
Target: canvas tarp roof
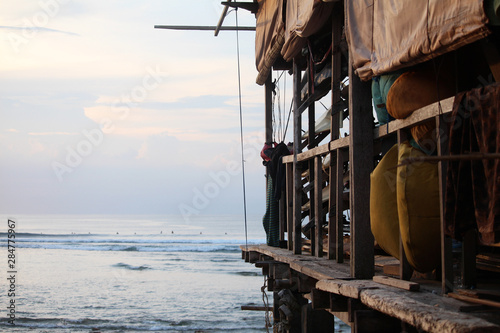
386	35
269	36
303	19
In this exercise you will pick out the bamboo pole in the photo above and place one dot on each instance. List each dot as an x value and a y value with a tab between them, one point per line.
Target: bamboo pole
203	28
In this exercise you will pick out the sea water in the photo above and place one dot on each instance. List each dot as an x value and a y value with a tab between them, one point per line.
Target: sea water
130	274
98	274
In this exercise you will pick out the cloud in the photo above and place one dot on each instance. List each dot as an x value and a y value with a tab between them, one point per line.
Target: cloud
52	133
31	30
80	71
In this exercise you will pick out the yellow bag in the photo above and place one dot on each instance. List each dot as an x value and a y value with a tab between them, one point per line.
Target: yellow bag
383	203
418	210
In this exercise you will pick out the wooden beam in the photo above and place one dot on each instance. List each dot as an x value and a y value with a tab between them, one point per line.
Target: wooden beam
401	284
369	321
256	308
221	20
202	28
361	165
253	7
320	299
316	321
417	117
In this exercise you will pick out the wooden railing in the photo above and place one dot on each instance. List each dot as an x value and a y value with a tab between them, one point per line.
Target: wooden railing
347	149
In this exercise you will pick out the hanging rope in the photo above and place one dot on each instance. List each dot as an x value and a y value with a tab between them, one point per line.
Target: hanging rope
265	300
241	134
279	127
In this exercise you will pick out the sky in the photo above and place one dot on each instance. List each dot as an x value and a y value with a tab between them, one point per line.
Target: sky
100	113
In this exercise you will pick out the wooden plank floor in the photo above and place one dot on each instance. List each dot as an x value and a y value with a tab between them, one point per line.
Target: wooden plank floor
424	309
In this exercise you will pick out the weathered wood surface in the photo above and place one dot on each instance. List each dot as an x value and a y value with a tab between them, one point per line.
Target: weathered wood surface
424	309
402	284
419	116
320	150
348	288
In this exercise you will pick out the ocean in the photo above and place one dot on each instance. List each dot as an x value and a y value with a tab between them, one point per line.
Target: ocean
103	274
79	273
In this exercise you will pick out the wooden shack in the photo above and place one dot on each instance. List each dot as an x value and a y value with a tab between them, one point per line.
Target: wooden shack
327	262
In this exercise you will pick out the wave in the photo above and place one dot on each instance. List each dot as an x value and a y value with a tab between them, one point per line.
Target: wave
132	268
135	248
103	325
154	239
128	243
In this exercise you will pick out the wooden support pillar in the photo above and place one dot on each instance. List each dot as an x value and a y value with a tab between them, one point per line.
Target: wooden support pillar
468	266
297	182
313	202
370	321
269	108
405	270
289	204
446	249
316	321
339	303
339	197
305	283
318	206
337	110
332	216
282	219
337	105
361	165
320	299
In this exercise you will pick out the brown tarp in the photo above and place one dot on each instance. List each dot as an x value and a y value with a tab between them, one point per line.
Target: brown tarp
473	187
269	36
387	35
303	19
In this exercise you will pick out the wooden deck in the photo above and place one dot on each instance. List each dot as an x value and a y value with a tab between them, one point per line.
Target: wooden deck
416	305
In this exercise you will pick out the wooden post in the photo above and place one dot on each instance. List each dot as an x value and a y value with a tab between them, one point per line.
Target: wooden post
332	216
339	197
269	109
361	165
314	200
468	266
405	270
333	205
282	218
297	183
318	206
446	250
289	204
316	321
